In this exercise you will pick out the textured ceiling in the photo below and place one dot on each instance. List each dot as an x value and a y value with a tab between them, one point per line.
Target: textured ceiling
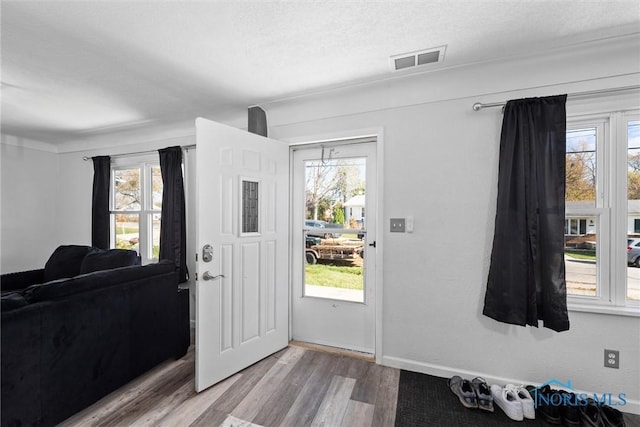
71	70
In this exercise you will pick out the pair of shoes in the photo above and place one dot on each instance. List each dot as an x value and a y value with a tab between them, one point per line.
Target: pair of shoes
570	409
472	394
548	404
464	391
611	416
591	415
528	407
483	394
595	415
515	401
556	406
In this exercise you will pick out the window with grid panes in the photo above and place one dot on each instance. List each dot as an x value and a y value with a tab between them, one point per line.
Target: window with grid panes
602	207
136	207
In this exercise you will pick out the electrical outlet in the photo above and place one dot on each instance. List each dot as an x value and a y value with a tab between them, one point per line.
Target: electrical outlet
397	225
611	359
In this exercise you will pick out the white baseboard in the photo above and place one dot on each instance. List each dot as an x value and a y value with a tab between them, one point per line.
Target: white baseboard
631	406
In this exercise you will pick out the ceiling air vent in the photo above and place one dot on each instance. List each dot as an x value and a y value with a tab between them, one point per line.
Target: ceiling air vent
418	58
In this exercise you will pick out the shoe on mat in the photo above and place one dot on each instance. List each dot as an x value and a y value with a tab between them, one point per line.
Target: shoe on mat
591	415
569	410
508	401
546	403
483	394
611	416
463	389
521	393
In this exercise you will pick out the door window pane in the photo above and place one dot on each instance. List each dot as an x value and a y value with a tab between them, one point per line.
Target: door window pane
334	199
250	213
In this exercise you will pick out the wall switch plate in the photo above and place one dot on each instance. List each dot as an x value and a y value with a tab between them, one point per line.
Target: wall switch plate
612	359
397	225
409	224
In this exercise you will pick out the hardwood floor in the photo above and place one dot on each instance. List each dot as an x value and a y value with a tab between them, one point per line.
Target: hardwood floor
296	387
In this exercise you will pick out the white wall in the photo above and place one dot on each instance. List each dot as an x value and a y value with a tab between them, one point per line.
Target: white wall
28	198
446	157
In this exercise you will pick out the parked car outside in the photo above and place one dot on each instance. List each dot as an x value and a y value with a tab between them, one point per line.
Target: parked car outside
633	252
318	228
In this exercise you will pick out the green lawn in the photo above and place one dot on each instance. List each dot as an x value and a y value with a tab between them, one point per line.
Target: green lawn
335	276
126	230
582	254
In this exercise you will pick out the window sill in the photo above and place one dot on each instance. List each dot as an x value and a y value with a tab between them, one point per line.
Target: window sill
604	309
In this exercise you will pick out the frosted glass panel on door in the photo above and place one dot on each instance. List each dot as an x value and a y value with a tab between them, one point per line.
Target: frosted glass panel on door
250	212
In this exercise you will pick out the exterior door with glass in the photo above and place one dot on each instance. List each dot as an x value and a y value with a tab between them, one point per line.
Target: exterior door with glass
333	245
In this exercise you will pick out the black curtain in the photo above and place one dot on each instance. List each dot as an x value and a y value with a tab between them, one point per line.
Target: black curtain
100	227
527	274
173	228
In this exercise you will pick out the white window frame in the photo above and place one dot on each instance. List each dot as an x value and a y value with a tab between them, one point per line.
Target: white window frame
620	229
610	211
146	212
599	211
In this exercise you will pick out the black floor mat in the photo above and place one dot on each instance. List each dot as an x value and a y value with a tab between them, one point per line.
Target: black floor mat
425	400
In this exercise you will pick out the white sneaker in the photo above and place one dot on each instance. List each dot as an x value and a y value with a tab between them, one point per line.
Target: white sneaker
523	395
507	400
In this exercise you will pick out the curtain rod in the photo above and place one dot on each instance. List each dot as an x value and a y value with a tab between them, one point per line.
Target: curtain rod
184	147
479	106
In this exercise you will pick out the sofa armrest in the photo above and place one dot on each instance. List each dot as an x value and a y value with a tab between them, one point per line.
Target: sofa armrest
21	280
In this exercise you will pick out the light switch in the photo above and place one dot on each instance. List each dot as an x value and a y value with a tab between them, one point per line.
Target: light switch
397	225
409	224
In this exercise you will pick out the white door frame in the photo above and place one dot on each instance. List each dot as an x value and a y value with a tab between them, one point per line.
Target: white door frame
378	132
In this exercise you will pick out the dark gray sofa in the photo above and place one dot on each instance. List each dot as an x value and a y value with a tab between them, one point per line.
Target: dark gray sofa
68	342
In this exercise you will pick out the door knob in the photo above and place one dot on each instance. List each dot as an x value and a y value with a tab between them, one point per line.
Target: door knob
209	276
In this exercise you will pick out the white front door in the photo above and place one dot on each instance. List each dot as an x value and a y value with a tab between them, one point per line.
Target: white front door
243	248
334	221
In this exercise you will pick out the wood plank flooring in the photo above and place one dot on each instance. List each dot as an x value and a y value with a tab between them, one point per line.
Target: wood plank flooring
296	387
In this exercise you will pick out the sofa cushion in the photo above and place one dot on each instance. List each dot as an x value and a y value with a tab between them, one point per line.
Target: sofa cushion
106	260
12	282
65	261
91	281
12	301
